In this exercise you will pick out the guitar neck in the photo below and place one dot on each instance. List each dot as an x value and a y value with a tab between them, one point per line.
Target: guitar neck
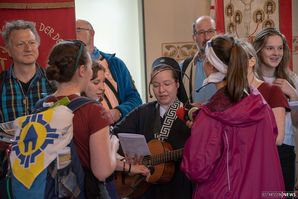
164	157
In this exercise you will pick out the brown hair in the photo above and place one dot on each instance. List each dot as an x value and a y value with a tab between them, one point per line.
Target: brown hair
64	60
230	52
282	70
161	68
251	52
95	68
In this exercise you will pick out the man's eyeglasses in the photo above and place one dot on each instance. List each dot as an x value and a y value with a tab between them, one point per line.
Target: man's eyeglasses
30	43
83	29
210	31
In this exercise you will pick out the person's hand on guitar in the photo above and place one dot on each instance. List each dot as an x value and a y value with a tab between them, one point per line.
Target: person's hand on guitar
136	166
132	169
159	167
140	169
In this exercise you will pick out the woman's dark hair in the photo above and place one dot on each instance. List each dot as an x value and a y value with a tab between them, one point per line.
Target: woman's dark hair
64	60
161	68
282	70
230	52
160	64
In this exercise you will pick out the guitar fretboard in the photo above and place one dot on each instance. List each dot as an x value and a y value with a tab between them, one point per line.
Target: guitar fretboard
164	157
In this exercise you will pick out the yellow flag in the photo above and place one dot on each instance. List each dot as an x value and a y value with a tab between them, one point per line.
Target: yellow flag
38	138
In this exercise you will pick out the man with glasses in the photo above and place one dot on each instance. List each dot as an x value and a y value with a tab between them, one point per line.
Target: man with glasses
192	68
24	83
120	95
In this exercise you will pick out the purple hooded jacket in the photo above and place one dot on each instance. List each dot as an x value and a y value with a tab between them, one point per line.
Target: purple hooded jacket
231	152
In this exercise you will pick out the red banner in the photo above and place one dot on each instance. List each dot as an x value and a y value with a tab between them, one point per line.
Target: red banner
55	21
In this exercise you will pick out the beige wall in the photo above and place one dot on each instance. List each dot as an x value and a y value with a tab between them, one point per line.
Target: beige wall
118	29
168	21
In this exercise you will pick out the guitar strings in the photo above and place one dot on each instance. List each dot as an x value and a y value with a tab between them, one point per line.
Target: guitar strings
163	157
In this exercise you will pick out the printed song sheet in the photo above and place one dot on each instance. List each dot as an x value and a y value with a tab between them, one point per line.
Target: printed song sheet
133	144
293	105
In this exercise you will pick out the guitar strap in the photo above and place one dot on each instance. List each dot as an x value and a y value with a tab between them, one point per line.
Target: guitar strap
170	117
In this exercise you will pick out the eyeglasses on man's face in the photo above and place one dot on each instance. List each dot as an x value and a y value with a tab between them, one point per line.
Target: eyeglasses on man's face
83	29
23	44
210	31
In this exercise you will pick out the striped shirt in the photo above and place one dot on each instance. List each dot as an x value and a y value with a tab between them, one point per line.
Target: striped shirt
14	102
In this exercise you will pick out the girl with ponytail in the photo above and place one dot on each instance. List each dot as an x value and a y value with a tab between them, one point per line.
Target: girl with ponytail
231	150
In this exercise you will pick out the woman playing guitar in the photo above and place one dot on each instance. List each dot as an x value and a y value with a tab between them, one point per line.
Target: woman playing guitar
158	122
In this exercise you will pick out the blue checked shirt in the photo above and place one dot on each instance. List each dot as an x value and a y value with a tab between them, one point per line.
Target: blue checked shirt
14	102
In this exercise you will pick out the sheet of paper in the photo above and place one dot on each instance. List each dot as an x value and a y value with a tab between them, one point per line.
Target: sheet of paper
133	144
293	105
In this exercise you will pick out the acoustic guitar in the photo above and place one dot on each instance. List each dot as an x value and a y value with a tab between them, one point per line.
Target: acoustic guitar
161	165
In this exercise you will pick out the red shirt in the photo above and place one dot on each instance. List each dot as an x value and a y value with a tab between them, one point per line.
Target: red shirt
274	96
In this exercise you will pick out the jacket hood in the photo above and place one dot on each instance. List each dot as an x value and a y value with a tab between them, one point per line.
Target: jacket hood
107	56
96	53
246	112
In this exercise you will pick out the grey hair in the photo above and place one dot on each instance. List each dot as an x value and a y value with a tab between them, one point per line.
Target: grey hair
18	25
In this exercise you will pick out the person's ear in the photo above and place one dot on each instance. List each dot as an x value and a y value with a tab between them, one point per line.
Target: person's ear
82	70
194	37
92	33
178	84
252	62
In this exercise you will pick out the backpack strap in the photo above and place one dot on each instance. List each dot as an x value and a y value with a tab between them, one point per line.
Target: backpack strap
113	89
73	105
78	102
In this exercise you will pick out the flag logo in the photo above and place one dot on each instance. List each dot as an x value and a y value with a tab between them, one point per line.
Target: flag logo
38	139
35	136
